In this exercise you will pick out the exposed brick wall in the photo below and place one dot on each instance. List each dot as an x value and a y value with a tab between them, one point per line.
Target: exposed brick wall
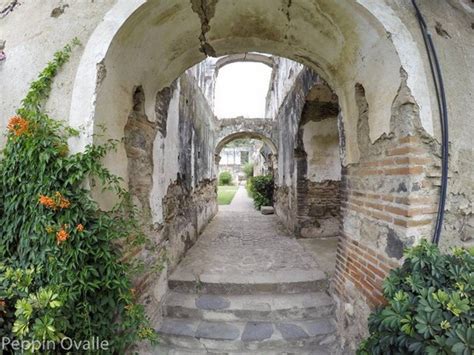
396	188
388	202
362	266
318	210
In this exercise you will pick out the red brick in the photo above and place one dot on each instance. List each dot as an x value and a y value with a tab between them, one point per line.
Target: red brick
388	198
375	206
364	172
371	259
376	270
381	216
396	210
411	170
412	223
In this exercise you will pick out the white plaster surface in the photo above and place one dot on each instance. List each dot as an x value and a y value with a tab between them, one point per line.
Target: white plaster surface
165	159
321	142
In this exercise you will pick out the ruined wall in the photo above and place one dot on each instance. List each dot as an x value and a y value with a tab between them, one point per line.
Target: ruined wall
33	31
171	178
451	25
319	176
309	164
388	199
288	119
284	74
388	204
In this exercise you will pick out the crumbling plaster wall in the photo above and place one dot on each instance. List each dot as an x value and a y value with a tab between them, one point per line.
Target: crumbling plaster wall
171	177
321	142
451	24
32	32
283	76
288	119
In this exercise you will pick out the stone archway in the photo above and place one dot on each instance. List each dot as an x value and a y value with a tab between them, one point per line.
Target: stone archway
246	57
226	138
351	44
233	30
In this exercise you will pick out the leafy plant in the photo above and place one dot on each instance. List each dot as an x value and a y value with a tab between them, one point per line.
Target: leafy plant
225	178
62	272
248	170
430	305
261	190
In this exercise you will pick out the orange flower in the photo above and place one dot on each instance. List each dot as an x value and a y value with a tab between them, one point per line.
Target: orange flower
61	236
64	203
18	125
80	228
47	201
59	201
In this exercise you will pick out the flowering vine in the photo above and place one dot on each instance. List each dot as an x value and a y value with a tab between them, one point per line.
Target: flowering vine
55	241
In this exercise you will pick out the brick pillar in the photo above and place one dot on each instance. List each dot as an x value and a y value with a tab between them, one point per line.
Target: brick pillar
389	203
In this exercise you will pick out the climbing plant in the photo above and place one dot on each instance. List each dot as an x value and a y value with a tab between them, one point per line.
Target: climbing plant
61	271
430	306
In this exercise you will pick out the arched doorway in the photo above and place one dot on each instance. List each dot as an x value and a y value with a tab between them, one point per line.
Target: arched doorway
346	43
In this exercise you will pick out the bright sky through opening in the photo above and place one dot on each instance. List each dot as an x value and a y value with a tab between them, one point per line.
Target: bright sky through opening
241	90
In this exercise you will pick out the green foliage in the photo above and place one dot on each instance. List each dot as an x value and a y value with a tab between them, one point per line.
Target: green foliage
261	189
248	170
29	315
62	273
430	305
225	178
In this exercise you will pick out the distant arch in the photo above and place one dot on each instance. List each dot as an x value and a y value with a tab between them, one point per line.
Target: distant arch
244	57
249	135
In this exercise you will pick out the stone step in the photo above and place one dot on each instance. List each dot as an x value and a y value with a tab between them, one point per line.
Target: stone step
172	350
260	307
277	283
211	336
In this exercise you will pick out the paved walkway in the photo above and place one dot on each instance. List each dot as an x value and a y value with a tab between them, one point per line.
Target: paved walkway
240	203
242	245
248	287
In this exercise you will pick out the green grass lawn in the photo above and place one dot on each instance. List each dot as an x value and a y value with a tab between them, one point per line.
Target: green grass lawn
225	194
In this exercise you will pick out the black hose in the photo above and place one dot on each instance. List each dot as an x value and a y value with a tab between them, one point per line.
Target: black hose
443	111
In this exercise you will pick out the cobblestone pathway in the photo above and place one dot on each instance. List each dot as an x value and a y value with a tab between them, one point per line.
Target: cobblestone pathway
240	244
247	287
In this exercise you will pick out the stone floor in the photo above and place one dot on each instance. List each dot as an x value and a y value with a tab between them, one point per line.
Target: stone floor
248	287
246	246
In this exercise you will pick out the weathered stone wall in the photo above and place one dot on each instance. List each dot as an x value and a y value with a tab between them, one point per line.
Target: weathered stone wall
319	206
171	178
309	174
388	199
288	119
284	74
319	166
389	203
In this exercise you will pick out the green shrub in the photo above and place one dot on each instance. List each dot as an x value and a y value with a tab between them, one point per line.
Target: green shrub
430	305
61	273
248	170
261	190
225	178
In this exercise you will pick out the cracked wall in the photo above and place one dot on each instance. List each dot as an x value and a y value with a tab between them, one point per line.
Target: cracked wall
171	179
31	37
